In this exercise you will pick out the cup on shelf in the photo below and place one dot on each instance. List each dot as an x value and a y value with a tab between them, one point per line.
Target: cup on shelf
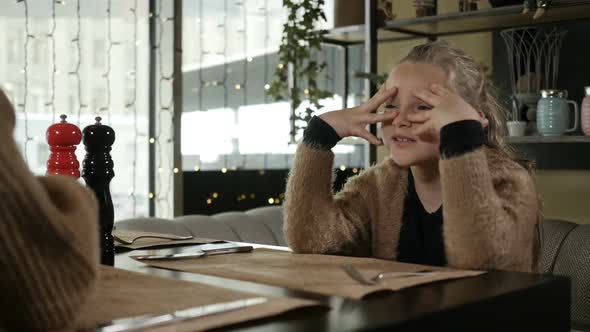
554	116
516	128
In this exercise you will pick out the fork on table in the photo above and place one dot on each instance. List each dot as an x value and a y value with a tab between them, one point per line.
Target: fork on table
356	275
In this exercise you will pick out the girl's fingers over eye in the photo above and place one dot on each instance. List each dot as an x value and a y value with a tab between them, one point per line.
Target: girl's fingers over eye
378	99
381	117
427	96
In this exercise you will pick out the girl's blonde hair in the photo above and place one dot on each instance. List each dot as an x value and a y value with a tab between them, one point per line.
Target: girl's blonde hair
468	79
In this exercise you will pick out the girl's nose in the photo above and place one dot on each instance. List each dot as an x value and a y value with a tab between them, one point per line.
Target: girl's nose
402	119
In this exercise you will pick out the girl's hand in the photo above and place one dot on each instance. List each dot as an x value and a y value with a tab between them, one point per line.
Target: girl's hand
447	107
353	121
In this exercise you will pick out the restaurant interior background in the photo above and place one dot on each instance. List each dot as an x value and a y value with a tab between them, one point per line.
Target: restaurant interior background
212	139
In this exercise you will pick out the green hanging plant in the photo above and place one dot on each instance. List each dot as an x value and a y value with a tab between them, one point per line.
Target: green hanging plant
300	39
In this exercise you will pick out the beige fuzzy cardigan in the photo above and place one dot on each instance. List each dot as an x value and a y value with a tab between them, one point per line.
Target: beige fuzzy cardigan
49	246
491	211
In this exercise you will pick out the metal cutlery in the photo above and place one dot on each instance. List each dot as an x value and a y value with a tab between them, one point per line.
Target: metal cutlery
163	236
356	275
197	254
142	322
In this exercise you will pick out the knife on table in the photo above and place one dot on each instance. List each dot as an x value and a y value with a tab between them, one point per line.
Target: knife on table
200	253
142	322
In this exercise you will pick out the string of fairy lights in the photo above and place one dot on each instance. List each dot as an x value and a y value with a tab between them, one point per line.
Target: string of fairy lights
266	41
25	71
164	135
232	162
224	75
108	56
31	52
164	144
201	52
241	86
222	82
51	37
131	106
76	41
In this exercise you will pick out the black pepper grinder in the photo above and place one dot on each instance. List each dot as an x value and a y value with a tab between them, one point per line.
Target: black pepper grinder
97	171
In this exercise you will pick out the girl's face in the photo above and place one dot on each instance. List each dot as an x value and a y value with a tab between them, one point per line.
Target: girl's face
406	149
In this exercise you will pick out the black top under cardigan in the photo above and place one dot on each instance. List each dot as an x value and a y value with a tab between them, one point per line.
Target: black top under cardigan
421	236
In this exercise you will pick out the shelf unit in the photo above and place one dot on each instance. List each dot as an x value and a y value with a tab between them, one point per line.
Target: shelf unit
482	20
548	139
431	27
487	20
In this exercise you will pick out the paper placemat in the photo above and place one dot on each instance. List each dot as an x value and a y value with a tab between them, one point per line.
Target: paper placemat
122	294
314	273
150	242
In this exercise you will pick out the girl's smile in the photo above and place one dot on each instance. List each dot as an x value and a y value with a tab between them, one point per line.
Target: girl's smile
402	141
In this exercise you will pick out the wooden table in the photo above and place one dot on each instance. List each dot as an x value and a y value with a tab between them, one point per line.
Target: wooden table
495	301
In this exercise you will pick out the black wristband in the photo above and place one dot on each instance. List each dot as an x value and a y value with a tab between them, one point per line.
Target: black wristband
320	134
460	137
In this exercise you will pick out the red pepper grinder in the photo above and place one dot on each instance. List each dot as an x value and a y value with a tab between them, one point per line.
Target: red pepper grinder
62	138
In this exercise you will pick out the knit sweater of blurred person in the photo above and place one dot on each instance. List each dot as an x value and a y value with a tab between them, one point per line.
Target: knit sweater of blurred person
49	247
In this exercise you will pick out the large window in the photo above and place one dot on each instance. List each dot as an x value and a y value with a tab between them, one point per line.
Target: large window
50	85
229	58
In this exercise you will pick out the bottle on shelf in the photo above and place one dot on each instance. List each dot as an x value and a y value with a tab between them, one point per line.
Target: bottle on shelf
585	116
425	8
467	5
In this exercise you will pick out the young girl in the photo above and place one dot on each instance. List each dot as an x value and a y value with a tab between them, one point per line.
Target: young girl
450	193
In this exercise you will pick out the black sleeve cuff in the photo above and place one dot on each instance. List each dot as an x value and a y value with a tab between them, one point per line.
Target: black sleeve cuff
320	134
460	137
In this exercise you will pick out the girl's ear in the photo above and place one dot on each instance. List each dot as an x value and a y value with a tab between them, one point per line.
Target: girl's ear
484	121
